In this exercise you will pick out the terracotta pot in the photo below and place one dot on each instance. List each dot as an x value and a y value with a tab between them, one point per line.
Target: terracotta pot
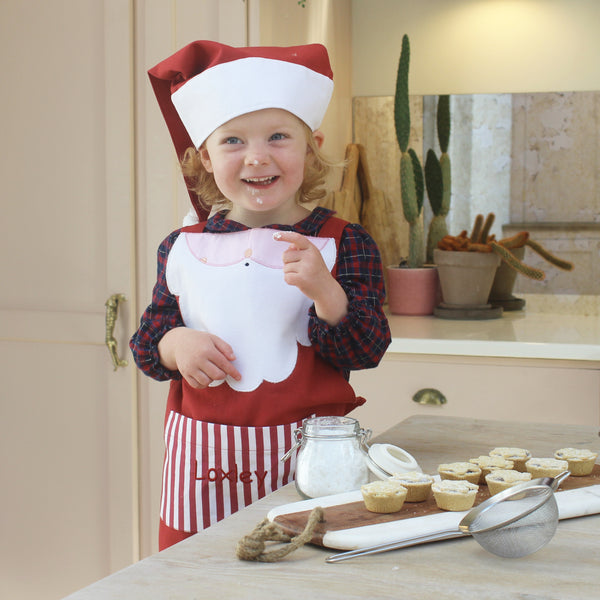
412	291
466	277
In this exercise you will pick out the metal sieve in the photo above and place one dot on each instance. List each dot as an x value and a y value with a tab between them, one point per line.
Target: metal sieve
511	524
516	524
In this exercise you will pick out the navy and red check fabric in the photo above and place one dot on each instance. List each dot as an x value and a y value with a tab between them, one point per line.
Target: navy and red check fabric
358	341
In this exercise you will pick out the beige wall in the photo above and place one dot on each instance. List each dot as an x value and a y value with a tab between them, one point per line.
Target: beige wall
477	46
328	22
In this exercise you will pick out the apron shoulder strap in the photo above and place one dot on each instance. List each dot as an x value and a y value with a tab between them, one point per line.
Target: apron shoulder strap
196	228
334	228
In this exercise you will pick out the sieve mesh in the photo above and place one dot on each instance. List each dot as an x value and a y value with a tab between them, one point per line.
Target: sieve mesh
518	524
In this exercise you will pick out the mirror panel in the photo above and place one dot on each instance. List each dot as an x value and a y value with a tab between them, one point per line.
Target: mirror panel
532	159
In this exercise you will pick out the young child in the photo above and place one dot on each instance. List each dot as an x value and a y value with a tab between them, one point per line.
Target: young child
260	311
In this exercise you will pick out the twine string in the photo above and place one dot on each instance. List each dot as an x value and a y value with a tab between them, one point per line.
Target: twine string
252	546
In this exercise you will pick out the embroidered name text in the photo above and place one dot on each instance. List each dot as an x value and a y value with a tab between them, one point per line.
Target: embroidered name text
218	474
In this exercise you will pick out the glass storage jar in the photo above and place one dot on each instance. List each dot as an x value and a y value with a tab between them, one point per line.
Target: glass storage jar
332	456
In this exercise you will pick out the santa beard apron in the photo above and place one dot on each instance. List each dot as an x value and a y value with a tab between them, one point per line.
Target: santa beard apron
224	443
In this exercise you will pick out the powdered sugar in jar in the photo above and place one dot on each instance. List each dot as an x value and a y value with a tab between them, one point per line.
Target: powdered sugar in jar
331	458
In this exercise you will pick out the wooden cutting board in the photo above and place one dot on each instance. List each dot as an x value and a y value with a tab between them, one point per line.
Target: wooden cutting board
352	515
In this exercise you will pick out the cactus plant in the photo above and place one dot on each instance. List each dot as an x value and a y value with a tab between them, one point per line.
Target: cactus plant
412	179
411	173
438	178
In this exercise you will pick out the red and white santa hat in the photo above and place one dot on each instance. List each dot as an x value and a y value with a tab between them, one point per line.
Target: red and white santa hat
206	84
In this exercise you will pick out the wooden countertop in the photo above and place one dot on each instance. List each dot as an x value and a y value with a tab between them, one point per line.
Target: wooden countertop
205	566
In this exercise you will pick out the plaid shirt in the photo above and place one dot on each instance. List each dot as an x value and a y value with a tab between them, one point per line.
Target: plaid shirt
358	341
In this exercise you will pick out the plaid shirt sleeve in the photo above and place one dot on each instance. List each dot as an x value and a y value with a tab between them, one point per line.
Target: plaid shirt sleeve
361	338
160	316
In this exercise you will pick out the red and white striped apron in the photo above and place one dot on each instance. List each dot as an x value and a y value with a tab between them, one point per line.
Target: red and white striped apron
213	470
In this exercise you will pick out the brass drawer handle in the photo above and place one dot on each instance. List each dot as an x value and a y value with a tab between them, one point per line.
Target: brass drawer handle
429	396
112	312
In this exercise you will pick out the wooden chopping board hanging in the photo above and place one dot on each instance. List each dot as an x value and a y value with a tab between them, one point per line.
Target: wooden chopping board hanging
358	201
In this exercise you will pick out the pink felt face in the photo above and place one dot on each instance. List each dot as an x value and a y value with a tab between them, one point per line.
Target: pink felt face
256	245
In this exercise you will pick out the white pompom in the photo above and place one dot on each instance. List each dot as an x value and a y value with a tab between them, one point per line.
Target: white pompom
191	218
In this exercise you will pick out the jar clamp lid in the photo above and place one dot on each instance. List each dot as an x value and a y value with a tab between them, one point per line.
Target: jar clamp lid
328	427
386	459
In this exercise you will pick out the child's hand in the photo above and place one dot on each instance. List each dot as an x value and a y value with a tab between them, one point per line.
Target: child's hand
304	267
199	356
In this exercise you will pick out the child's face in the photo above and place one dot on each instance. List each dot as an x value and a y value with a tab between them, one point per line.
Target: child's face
257	160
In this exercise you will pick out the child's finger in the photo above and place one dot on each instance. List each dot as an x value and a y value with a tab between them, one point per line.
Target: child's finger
298	245
299	241
224	359
223	347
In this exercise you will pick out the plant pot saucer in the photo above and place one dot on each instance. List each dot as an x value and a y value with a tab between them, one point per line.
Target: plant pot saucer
467	313
509	303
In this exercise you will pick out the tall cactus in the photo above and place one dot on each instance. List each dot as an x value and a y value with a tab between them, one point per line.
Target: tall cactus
437	171
411	173
438	178
435	191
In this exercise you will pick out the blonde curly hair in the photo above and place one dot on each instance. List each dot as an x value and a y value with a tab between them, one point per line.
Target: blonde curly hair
200	181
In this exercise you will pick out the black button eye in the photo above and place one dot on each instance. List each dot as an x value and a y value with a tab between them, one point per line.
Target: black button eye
247	264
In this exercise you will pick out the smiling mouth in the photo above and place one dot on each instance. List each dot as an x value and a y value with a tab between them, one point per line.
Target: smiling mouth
260	181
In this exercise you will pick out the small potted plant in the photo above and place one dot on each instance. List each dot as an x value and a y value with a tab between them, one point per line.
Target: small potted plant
413	285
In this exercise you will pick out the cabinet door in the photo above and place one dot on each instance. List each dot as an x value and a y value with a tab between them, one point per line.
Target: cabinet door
69	483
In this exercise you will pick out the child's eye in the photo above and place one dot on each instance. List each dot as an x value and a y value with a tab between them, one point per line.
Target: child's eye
232	140
278	136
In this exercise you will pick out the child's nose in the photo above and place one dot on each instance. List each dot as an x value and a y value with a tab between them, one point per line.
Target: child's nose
256	156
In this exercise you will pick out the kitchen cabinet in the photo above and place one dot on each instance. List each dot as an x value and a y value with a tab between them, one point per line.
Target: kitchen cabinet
68	468
527	367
